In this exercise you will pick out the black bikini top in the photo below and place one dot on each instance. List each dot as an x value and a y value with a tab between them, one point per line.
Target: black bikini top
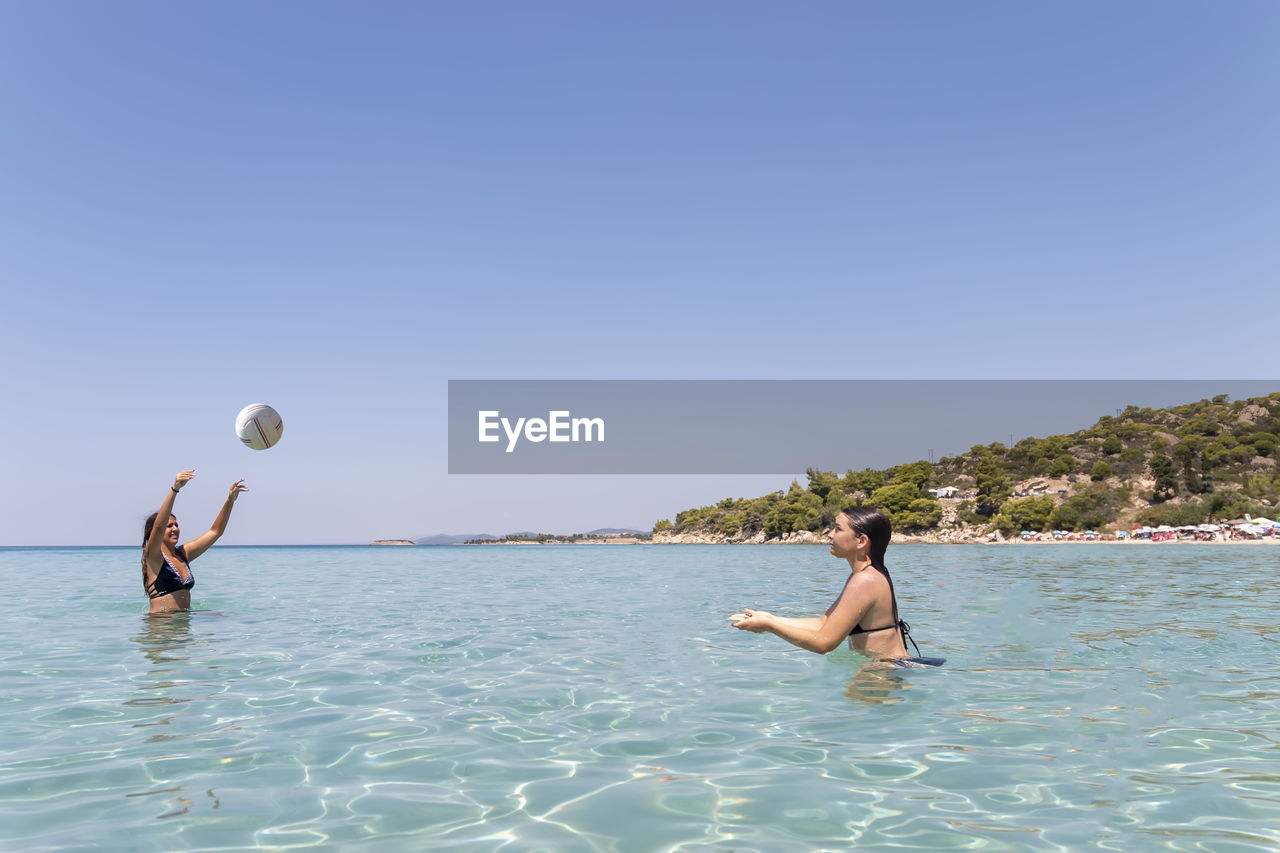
901	625
898	623
169	580
857	630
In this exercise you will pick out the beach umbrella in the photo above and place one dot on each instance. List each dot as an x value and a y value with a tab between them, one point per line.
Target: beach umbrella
1263	522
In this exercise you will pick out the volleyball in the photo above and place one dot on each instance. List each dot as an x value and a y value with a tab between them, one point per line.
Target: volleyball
259	426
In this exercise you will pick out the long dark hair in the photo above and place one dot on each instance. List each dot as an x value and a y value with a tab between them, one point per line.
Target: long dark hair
148	524
872	523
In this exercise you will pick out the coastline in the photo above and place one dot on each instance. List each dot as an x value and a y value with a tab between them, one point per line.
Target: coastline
617	540
945	538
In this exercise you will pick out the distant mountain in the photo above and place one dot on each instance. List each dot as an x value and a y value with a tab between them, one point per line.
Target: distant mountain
603	531
455	538
452	538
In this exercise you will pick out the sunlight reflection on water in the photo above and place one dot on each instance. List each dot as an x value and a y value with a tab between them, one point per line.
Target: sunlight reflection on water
592	698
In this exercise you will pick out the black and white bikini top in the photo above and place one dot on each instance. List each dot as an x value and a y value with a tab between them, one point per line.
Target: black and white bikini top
169	580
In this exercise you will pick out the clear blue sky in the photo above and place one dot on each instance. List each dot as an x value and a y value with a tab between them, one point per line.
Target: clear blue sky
336	207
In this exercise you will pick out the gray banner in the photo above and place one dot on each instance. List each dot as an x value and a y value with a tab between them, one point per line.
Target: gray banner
776	426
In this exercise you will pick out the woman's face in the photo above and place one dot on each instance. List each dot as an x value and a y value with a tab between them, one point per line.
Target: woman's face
845	541
171	531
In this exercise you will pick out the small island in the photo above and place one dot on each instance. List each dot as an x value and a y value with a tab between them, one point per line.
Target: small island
595	537
392	542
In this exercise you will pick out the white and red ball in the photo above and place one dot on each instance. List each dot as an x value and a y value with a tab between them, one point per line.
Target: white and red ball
259	426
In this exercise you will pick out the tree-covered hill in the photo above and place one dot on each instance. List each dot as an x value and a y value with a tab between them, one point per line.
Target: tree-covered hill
1205	461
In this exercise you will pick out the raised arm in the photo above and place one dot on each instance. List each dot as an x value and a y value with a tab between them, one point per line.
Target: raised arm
819	634
152	554
201	543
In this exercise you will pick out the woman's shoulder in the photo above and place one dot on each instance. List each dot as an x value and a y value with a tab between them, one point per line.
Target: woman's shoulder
868	577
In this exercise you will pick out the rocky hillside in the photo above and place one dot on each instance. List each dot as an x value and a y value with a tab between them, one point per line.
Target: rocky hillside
1205	461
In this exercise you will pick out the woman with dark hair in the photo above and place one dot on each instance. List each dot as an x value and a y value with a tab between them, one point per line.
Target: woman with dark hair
866	611
166	565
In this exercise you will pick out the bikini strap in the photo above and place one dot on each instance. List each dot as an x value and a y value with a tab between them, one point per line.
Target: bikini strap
903	627
906	635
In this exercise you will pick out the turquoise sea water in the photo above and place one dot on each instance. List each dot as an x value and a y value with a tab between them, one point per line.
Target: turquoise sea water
593	698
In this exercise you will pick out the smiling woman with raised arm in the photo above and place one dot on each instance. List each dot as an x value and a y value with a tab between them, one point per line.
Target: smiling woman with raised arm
166	565
866	611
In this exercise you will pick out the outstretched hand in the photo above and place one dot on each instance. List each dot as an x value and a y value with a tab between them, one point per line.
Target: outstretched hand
755	621
182	478
236	488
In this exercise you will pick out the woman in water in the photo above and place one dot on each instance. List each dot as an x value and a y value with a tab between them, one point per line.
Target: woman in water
166	565
866	611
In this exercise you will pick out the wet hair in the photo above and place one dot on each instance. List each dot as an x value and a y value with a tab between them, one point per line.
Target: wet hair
873	524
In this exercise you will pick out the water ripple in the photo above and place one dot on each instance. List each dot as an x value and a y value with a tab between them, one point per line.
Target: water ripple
499	702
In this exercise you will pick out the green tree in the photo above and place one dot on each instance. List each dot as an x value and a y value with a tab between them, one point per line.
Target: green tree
1025	514
1191	512
865	481
730	523
895	498
1051	447
1185	451
1112	445
1199	426
821	483
967	513
1130	462
1166	477
799	510
993	487
1263	443
1062	465
916	473
1093	508
920	513
1101	471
